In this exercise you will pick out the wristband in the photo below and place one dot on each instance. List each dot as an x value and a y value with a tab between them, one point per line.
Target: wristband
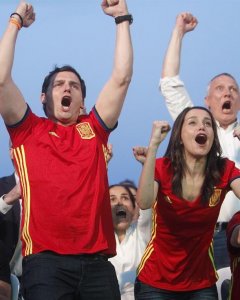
15	22
20	17
121	19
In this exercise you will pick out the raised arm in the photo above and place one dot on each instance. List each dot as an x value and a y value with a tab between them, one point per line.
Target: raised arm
148	188
111	98
171	87
12	104
185	22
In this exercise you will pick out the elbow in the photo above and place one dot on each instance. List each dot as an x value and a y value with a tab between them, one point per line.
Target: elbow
4	81
123	78
143	204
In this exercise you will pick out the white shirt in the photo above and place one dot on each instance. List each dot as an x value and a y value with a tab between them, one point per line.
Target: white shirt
129	253
16	261
177	98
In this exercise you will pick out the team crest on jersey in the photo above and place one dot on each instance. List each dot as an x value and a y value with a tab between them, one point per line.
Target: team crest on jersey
85	130
215	198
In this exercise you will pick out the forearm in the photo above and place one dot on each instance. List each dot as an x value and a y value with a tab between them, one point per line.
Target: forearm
171	63
145	192
123	58
7	48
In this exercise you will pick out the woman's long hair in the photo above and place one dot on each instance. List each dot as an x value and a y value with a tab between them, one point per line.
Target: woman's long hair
215	163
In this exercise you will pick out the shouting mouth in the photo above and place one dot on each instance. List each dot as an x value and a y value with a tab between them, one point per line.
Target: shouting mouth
201	138
66	101
121	213
226	105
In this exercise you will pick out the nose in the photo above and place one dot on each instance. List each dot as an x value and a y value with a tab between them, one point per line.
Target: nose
119	201
67	87
227	91
202	126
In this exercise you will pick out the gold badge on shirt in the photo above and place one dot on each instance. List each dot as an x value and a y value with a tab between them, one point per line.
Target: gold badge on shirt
85	130
215	198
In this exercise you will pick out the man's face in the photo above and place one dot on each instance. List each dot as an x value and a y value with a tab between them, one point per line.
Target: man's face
223	100
64	98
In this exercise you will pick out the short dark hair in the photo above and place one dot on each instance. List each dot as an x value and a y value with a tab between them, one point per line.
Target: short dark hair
52	74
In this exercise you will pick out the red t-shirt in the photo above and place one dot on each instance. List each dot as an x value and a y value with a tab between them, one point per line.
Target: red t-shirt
179	256
234	253
63	174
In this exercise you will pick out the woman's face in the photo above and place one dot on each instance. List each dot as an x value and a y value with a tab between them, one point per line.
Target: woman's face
122	208
197	133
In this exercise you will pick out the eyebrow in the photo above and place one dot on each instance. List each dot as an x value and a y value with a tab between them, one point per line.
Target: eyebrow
195	117
63	80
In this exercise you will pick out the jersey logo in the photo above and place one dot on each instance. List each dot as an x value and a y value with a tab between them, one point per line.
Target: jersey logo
215	198
53	133
85	130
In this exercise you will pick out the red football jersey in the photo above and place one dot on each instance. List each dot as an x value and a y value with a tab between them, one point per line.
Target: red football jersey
234	258
63	174
179	256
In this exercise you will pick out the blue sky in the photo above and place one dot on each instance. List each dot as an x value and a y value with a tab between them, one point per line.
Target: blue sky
78	33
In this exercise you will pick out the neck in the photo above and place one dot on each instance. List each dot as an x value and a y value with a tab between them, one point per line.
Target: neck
195	166
121	234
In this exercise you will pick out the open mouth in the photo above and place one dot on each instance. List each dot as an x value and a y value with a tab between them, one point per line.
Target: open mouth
201	138
66	101
226	105
121	213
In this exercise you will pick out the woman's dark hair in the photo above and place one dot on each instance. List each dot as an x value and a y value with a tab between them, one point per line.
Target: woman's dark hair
129	183
127	190
48	79
215	163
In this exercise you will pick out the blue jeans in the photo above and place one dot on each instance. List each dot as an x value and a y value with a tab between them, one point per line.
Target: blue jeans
49	276
221	256
146	292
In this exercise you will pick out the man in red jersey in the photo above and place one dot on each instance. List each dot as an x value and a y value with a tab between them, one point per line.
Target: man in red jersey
233	243
67	229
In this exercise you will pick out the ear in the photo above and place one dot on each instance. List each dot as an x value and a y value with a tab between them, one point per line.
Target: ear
11	153
207	102
43	98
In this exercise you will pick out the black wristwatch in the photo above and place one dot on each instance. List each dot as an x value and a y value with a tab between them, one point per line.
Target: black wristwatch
121	19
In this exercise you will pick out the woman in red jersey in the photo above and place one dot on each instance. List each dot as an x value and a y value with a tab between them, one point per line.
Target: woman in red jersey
185	188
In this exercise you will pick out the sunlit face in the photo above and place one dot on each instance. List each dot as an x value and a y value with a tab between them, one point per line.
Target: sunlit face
197	133
223	100
64	99
122	208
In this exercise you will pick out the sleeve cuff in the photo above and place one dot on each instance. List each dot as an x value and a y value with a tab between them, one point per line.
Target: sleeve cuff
4	207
